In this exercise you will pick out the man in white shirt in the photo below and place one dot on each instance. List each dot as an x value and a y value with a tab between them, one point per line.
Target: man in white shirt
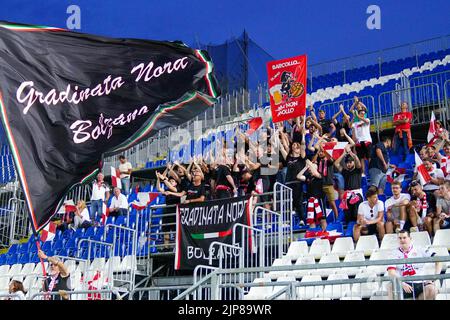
125	168
437	176
119	204
361	126
370	216
414	289
398	210
100	196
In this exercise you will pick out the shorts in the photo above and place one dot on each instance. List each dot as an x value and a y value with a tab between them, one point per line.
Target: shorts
369	229
377	178
417	289
363	150
329	192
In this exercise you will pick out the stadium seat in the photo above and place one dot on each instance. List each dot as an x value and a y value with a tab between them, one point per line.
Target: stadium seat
27	269
442	238
342	246
113	263
328	258
379	255
421	239
336	291
2	259
38	268
128	263
29	281
71	265
277	289
310	292
280	262
259	293
367	288
367	244
389	242
296	250
4	285
15	270
443	296
304	260
4	270
319	248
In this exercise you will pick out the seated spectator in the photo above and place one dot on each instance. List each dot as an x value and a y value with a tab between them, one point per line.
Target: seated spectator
437	177
351	171
82	218
119	204
58	277
399	210
379	164
425	205
418	290
16	288
444	161
370	216
442	219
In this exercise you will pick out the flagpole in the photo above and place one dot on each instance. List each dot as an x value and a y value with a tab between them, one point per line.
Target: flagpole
38	246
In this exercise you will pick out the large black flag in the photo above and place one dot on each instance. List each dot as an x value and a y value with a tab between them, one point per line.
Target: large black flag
67	98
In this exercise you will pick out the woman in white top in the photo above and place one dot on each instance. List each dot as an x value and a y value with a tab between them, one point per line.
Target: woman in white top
82	219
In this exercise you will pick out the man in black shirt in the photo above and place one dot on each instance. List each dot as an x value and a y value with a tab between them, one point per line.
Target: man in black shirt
196	191
379	164
328	127
225	187
326	169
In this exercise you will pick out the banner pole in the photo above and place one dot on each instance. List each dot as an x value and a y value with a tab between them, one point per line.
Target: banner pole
38	246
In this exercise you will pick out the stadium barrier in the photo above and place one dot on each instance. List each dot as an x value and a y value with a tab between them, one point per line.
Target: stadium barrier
373	283
79	295
156	293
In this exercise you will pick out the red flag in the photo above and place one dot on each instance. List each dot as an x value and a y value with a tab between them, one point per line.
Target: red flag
115	178
432	129
94	285
422	173
105	213
49	232
287	87
334	149
254	124
397	174
144	199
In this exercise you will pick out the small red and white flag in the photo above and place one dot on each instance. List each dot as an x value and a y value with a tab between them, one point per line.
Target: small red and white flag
254	124
395	174
115	178
432	132
335	149
105	213
422	173
96	284
49	232
144	199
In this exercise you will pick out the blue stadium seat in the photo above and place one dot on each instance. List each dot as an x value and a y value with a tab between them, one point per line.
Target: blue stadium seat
2	259
13	248
120	220
24	258
47	246
11	259
58	244
349	230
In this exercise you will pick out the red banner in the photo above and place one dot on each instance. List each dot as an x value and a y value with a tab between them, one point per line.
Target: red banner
287	87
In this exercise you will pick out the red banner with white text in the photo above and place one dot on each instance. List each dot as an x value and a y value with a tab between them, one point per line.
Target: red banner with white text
287	87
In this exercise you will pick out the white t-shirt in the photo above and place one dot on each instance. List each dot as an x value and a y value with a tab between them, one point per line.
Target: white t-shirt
436	173
18	295
124	168
99	192
410	269
120	202
370	214
392	201
85	215
362	131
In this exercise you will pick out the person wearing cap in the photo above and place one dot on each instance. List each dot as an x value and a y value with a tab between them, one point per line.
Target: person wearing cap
58	277
351	171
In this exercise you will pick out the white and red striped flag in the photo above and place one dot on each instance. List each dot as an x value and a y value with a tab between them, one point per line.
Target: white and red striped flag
49	232
422	173
144	199
431	137
105	213
115	178
334	149
395	174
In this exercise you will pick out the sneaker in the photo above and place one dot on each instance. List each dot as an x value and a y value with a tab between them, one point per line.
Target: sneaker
414	229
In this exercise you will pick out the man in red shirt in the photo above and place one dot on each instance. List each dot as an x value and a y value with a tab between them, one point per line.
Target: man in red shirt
402	135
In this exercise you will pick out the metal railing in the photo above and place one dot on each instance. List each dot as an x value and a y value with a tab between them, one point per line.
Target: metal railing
78	295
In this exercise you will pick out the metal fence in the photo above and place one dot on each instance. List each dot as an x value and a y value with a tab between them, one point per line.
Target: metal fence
107	294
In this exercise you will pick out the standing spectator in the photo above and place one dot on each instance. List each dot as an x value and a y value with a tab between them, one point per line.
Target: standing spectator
326	169
100	195
81	218
328	127
314	184
119	204
225	187
398	210
351	171
16	288
125	168
425	204
344	128
361	126
370	216
420	290
196	191
442	220
379	164
402	135
59	276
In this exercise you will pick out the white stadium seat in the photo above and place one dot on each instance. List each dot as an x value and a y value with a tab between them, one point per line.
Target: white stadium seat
280	288
71	265
365	289
355	256
259	293
443	296
305	260
128	263
379	255
336	291
279	262
421	239
4	270
38	268
367	244
297	249
440	252
390	241
342	246
4	284
27	269
310	292
319	248
115	263
97	264
15	269
328	258
442	238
